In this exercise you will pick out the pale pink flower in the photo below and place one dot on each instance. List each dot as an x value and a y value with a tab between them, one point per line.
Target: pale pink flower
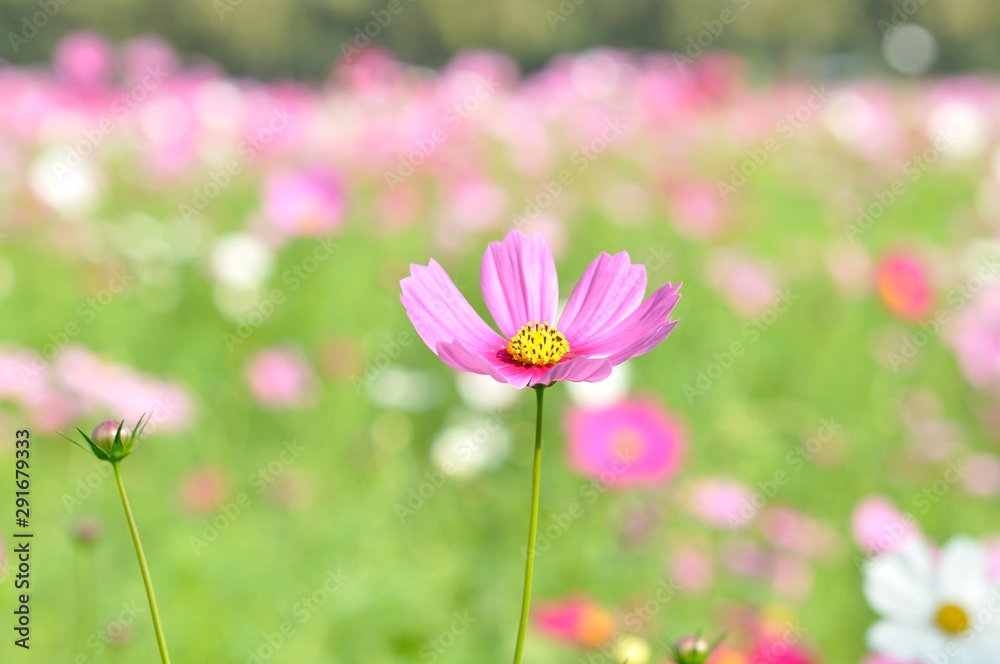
203	490
305	202
720	502
983	475
748	284
280	378
973	335
692	568
878	527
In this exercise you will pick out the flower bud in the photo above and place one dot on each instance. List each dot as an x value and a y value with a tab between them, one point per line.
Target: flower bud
692	650
111	440
105	432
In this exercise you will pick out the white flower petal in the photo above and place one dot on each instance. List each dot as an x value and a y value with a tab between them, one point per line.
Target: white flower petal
962	573
900	585
905	643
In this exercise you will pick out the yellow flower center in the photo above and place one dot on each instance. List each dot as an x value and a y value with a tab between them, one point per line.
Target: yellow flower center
537	345
627	445
952	619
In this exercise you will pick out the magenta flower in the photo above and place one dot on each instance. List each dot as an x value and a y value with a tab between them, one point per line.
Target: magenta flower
605	322
627	444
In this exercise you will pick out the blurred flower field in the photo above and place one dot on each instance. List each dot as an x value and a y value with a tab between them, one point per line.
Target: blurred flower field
225	255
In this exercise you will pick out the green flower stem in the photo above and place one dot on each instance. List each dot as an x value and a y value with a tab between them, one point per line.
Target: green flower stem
154	611
529	565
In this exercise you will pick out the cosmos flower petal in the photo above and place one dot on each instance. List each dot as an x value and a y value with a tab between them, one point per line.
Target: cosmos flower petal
899	585
633	333
519	281
904	642
645	344
961	570
441	314
610	289
578	370
457	356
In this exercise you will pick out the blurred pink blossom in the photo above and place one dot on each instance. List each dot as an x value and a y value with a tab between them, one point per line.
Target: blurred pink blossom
904	286
983	475
878	527
697	210
85	60
576	620
973	335
629	443
747	284
789	529
691	567
305	202
281	378
719	502
203	490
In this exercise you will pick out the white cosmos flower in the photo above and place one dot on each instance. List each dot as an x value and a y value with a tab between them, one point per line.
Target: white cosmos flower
942	609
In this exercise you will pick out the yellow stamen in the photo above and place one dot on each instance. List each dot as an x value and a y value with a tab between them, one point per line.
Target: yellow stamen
952	619
537	344
627	445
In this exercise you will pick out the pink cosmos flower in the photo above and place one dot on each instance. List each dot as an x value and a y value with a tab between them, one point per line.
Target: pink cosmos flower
605	322
625	444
